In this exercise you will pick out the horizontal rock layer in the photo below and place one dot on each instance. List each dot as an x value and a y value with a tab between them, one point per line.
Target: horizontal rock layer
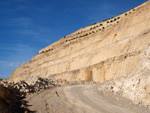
98	52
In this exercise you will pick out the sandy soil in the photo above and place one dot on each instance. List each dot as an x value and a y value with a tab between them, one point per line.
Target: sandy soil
81	99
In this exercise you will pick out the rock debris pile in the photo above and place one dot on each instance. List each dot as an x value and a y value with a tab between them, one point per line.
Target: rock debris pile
135	87
82	83
32	85
11	94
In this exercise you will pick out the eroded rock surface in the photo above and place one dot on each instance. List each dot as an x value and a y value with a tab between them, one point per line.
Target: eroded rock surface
94	54
32	85
115	52
135	87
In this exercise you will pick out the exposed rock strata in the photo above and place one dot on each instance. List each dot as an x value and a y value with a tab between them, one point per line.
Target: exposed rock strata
115	48
92	54
135	87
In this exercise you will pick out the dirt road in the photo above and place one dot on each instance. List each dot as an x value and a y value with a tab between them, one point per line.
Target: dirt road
81	99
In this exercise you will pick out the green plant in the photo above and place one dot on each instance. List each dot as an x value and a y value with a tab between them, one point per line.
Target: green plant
101	24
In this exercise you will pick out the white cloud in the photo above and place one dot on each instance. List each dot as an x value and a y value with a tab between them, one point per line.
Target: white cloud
4	76
21	54
21	21
17	55
11	64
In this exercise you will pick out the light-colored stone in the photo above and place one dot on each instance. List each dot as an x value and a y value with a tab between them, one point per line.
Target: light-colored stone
100	56
121	50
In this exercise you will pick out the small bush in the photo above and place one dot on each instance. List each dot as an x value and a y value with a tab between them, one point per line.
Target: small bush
101	24
133	9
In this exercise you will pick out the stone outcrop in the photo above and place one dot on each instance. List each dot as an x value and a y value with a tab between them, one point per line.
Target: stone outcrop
12	94
32	85
99	52
115	52
135	87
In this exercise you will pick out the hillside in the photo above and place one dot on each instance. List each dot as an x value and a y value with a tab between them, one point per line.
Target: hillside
101	68
98	52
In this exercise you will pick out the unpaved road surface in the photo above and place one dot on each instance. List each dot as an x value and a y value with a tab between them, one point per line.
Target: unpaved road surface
80	99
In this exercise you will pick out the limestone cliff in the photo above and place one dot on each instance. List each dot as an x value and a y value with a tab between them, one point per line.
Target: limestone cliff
99	52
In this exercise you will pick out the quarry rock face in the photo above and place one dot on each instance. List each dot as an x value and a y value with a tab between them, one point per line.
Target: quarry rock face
100	52
135	87
115	52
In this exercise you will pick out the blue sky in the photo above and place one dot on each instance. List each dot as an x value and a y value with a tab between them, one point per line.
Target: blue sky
26	26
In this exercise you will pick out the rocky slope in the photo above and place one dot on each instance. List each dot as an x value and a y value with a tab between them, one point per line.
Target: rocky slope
115	52
98	52
12	94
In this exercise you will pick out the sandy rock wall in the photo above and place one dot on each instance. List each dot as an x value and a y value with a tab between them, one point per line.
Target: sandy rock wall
102	55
